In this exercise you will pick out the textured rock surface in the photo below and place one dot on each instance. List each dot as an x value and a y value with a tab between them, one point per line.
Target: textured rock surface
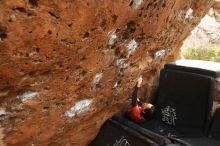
66	66
216	11
216	7
207	33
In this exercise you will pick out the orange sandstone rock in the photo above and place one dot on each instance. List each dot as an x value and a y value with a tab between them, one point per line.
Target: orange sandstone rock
67	66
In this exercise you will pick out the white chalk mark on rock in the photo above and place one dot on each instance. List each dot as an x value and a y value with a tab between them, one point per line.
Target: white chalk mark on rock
97	78
132	46
78	108
160	53
121	63
112	38
136	4
121	66
3	111
27	95
115	85
189	14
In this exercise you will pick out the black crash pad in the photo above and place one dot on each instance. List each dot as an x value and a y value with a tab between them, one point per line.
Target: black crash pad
114	133
215	126
185	101
159	139
119	131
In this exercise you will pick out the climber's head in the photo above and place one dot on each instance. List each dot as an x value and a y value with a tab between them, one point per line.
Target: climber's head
148	110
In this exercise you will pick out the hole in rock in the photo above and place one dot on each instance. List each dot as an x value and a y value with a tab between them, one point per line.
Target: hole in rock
53	15
34	3
20	9
3	34
86	35
49	32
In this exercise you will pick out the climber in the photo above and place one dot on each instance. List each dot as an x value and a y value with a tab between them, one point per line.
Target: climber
140	111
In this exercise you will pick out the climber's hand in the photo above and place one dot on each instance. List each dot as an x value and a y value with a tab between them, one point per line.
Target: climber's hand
140	79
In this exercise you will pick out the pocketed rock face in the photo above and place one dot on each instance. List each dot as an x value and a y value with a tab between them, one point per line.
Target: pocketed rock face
66	66
216	10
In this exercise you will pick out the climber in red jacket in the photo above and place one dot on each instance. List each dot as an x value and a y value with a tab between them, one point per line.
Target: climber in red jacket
140	111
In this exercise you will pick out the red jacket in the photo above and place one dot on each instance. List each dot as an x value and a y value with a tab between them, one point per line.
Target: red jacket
135	113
